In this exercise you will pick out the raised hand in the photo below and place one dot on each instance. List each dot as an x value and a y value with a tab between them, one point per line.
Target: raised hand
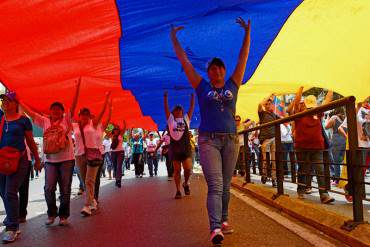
174	30
243	24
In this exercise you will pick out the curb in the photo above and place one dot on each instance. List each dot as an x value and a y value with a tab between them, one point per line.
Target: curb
326	221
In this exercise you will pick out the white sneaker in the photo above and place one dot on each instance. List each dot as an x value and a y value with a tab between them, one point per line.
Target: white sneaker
86	211
94	206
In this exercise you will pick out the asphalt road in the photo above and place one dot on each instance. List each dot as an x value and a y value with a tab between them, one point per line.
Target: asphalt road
144	213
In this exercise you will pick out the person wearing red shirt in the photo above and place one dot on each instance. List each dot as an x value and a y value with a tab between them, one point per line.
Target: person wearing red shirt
309	144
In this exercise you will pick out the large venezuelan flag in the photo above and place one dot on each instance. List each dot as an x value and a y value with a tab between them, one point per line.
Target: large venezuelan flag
125	43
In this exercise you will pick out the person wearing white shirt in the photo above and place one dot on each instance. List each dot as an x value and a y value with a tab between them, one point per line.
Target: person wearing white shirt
118	153
151	149
88	138
128	154
288	148
107	156
165	140
178	126
58	166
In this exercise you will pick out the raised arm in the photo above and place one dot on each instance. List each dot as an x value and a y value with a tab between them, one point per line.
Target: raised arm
34	115
106	122
166	107
290	108
98	118
297	99
123	129
75	97
192	104
239	71
328	97
193	77
159	134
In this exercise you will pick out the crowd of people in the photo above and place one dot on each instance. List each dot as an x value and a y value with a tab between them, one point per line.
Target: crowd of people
80	143
305	143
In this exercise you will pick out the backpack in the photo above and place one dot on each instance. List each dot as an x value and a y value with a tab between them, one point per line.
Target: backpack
55	139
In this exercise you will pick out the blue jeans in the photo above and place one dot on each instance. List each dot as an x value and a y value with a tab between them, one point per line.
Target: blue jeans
9	188
24	191
218	155
60	173
152	162
78	173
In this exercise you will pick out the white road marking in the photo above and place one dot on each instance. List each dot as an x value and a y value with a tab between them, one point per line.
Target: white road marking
302	232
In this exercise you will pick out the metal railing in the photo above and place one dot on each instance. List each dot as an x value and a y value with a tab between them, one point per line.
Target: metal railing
356	183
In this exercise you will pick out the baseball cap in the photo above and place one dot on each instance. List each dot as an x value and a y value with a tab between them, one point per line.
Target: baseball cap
11	95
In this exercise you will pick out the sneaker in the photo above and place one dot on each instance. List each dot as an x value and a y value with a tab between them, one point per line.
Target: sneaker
169	178
274	183
308	191
86	211
349	198
10	236
263	179
94	205
141	176
217	237
50	221
80	192
178	195
327	199
301	196
227	228
22	220
186	189
63	222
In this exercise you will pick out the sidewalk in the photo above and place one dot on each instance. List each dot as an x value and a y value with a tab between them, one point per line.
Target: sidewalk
144	213
326	218
340	206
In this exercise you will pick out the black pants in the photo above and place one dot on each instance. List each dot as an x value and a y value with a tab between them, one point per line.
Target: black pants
169	165
23	193
139	163
97	183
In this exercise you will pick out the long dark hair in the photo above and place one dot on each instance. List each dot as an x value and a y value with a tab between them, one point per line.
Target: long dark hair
115	140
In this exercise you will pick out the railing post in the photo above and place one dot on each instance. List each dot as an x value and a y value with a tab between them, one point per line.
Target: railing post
355	176
279	164
327	162
246	159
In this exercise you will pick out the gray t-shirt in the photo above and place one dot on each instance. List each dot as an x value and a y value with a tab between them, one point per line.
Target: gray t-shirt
269	132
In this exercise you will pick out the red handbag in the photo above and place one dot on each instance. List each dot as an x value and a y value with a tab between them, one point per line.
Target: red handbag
9	156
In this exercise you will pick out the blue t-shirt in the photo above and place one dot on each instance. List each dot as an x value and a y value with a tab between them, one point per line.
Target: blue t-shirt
14	132
217	107
137	146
